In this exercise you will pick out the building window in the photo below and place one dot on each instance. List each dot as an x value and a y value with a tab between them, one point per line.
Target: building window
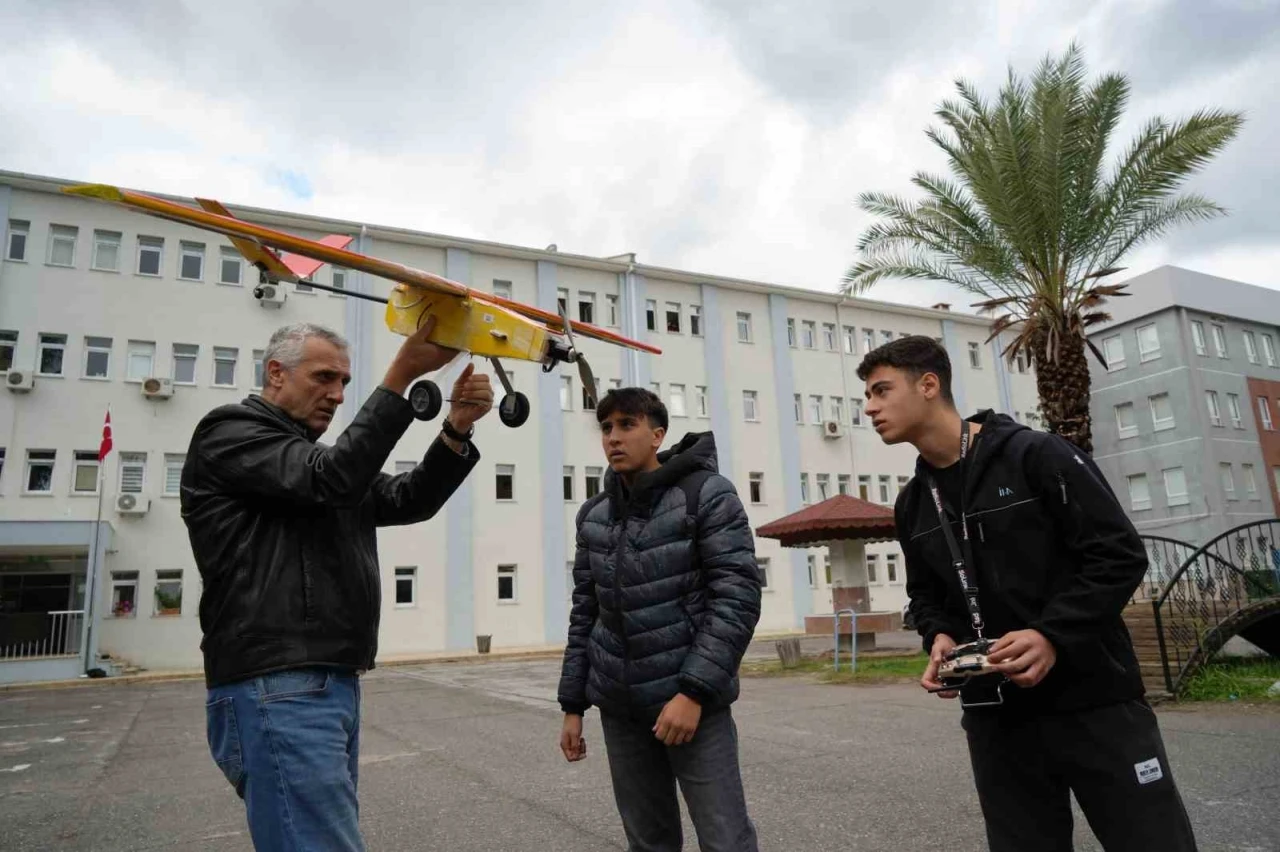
695	320
502	288
829	336
52	349
566	393
673	318
40	465
133	473
504	482
744	327
62	245
224	366
656	388
824	485
406	586
230	265
1220	341
791	332
1126	420
868	340
809	334
756	485
1161	412
700	398
676	395
811	563
872	574
259	369
1251	347
884	489
8	345
1	463
842	483
1175	487
749	405
1148	342
562	300
168	592
855	411
594	475
850	340
191	266
1113	351
1197	337
1250	483
1233	408
651	314
16	245
97	357
763	565
184	363
567	478
886	337
804	488
507	583
1020	361
1139	492
815	409
1264	411
975	356
173	473
106	251
150	255
124	594
84	475
1228	480
611	310
891	566
798	404
902	482
1215	414
586	307
141	355
1268	350
864	487
837	409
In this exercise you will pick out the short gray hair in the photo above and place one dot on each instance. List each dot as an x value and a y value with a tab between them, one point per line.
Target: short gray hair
286	344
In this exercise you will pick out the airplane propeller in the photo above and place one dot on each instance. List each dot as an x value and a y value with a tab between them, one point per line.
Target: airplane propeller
573	356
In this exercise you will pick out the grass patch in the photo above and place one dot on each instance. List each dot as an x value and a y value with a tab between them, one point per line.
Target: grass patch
871	669
1234	679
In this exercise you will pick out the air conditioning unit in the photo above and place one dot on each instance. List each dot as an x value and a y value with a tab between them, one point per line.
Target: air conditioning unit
270	295
132	504
19	381
157	387
832	428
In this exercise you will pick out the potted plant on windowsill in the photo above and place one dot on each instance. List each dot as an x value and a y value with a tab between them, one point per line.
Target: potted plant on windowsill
122	609
168	603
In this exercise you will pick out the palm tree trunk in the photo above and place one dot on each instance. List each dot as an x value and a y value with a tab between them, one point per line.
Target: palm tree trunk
1063	386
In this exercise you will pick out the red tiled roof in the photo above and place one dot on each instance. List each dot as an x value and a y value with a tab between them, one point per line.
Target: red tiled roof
840	517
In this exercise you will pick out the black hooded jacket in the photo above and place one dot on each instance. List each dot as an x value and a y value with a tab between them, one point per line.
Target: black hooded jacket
1053	551
656	612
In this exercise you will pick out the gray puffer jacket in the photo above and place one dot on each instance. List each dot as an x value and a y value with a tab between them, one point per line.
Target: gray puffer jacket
656	613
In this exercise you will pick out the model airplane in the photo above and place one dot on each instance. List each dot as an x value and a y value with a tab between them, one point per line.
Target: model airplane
468	320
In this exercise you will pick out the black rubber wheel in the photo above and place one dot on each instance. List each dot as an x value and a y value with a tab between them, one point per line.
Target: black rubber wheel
514	409
425	400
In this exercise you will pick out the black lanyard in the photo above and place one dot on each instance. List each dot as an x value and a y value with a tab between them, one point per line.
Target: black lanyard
967	585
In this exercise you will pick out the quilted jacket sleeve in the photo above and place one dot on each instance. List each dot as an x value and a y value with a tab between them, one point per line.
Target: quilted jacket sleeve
727	552
572	693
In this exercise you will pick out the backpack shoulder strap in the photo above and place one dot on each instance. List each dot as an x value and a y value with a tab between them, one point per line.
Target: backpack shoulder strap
691	485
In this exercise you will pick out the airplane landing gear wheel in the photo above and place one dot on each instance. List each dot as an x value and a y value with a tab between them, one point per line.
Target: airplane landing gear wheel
425	399
514	409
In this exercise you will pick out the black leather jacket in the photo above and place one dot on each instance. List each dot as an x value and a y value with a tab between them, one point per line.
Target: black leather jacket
283	531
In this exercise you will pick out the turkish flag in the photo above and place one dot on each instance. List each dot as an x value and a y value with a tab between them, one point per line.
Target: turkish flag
105	448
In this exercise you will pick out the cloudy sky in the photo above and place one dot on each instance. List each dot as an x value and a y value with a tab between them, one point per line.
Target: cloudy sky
719	136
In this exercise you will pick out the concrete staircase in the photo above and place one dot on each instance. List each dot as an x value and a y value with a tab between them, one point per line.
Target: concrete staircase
1141	620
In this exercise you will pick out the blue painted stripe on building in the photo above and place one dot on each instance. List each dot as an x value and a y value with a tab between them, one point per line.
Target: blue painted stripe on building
359	331
789	444
459	573
6	199
550	424
644	369
627	319
959	363
713	339
1002	376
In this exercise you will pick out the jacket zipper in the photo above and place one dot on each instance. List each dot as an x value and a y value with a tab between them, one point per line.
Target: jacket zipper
1062	486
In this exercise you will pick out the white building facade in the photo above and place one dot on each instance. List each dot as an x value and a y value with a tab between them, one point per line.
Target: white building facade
96	300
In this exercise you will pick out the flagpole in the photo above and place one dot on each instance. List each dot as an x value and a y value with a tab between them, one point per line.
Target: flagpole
91	582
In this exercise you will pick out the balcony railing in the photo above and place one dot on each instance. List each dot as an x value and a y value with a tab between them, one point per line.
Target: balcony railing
35	635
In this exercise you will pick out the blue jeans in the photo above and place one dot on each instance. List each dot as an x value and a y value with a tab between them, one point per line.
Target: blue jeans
289	743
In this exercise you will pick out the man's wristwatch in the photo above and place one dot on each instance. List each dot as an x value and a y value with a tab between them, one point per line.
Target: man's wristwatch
447	428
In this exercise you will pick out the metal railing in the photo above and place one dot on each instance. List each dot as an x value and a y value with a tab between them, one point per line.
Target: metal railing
33	635
1164	557
853	639
1237	569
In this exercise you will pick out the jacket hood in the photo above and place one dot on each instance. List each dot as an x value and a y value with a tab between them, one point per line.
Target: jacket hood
996	430
695	451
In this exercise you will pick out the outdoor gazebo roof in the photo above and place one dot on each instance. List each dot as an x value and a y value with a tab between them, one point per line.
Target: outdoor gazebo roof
841	517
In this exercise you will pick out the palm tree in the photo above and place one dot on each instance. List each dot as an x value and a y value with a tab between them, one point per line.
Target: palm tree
1030	221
